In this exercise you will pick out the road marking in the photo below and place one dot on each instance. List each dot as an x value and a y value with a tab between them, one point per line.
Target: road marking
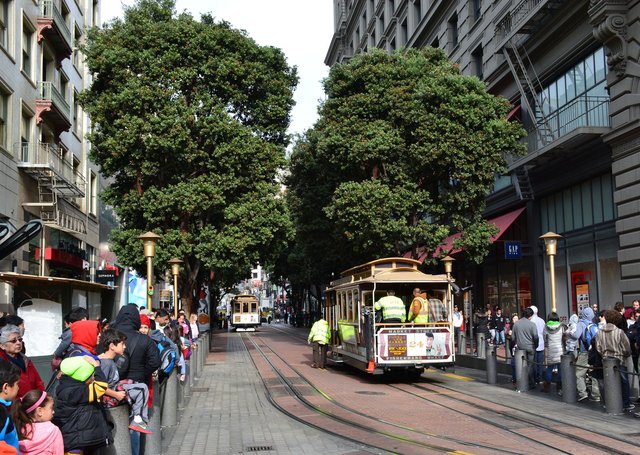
457	376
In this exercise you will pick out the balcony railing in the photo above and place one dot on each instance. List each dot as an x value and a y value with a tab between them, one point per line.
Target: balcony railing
49	10
584	111
48	156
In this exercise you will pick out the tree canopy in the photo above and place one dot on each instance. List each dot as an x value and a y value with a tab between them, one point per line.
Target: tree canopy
405	151
189	122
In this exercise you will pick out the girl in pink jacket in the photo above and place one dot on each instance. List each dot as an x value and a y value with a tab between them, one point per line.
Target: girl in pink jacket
36	433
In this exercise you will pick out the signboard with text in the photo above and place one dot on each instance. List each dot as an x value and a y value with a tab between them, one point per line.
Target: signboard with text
512	250
420	344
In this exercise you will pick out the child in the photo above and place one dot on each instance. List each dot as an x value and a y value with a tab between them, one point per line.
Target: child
570	342
113	344
36	432
9	385
77	407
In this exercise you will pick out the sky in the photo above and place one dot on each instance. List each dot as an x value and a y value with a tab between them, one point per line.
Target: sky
301	28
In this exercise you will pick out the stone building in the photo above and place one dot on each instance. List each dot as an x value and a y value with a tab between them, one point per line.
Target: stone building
570	69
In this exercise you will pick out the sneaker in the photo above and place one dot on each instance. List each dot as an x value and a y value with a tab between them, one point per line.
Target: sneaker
140	428
582	398
636	414
595	399
629	408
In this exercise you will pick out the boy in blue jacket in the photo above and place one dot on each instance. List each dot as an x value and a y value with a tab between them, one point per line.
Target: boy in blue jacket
9	383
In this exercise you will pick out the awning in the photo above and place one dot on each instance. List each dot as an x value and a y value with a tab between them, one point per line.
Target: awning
514	113
502	222
21	279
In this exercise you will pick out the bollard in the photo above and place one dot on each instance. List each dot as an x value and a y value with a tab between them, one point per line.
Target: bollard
522	371
480	345
634	390
194	362
492	371
462	343
169	405
205	351
189	381
507	349
121	439
612	385
153	442
568	373
180	394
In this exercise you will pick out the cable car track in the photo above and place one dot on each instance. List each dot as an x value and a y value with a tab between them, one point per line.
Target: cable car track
562	428
334	415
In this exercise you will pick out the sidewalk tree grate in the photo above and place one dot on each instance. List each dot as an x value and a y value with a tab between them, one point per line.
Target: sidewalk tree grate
258	448
199	389
369	392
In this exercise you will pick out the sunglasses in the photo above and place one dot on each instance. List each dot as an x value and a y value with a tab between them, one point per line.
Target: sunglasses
15	340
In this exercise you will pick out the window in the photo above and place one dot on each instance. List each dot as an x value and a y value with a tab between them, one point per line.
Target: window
96	14
452	30
93	195
27	48
476	62
64	86
5	97
5	23
475	9
77	57
77	115
25	135
403	33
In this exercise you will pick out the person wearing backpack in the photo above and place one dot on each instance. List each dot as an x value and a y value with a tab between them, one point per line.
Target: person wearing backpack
583	335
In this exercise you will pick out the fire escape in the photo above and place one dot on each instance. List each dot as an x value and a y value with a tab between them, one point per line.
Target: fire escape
513	31
58	182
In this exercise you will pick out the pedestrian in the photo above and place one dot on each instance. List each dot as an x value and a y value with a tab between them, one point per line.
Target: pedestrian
584	334
481	322
612	341
553	341
11	352
9	386
525	336
498	321
539	355
36	433
77	411
319	337
512	346
392	308
570	340
458	322
419	309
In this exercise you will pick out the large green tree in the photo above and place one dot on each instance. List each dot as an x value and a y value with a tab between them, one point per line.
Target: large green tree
189	122
404	153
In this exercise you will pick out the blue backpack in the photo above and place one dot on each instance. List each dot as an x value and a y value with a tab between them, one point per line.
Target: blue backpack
168	356
588	334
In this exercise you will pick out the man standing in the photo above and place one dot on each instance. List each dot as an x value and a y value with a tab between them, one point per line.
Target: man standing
584	334
319	336
613	342
525	335
392	308
539	355
419	309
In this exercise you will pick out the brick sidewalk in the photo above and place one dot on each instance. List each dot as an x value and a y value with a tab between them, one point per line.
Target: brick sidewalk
229	412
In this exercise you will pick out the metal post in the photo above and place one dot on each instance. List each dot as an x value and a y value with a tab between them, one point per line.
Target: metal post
462	343
188	382
522	371
194	362
481	345
568	373
169	405
633	378
492	373
612	385
507	349
153	442
121	439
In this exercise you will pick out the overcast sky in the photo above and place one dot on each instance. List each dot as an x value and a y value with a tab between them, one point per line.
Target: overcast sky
301	28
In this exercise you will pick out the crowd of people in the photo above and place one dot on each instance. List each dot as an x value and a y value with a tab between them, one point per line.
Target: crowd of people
98	365
590	336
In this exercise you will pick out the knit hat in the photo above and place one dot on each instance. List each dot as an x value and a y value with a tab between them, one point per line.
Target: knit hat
77	368
85	334
144	320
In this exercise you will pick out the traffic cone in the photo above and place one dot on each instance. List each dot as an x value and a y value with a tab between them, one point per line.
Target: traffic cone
371	367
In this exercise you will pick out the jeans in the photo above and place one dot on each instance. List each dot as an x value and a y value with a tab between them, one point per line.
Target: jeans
548	374
538	360
499	336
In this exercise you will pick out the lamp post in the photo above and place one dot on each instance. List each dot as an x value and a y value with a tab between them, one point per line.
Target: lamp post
551	247
175	271
149	240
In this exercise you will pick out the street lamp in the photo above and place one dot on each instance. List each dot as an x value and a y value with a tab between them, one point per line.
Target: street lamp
448	265
175	271
551	244
149	240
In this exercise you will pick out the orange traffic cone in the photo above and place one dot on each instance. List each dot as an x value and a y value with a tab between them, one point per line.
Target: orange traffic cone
371	367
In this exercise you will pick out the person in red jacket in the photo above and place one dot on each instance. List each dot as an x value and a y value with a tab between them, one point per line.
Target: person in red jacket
11	353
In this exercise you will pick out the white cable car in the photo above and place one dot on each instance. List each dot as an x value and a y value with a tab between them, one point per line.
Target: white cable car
245	313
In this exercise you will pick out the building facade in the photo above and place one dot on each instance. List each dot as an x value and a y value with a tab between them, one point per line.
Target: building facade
45	171
570	70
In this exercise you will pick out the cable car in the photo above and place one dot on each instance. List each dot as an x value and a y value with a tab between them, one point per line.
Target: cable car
245	313
360	339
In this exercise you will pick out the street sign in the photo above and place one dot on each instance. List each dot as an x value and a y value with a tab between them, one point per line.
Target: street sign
513	249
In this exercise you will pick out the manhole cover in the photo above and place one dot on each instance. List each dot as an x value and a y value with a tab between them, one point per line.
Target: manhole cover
369	392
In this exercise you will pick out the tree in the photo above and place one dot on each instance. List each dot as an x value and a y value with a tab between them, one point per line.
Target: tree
189	123
410	148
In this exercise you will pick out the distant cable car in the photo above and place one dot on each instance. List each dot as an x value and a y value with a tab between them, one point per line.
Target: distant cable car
245	312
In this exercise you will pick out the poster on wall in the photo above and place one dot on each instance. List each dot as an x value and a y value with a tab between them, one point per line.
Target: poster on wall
582	296
43	323
204	320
